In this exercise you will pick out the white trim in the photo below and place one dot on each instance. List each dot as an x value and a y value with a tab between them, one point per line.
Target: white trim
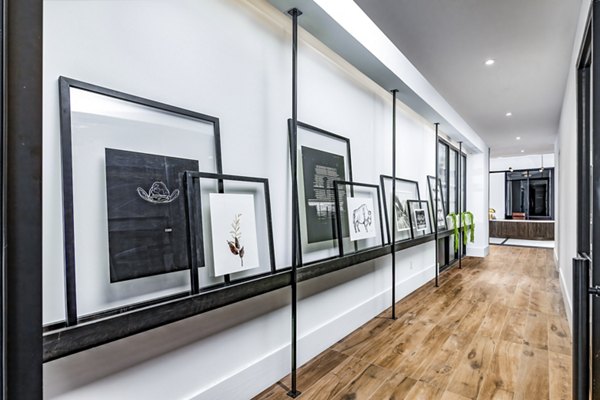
251	380
565	295
478	251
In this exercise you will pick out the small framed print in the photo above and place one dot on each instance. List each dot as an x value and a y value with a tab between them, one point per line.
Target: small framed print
405	190
363	217
236	235
436	192
420	218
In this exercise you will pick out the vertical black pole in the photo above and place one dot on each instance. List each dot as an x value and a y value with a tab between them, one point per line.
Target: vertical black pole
296	243
22	198
435	210
581	333
460	207
595	202
394	92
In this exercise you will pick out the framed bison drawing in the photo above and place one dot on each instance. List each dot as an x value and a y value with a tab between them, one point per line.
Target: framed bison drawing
363	218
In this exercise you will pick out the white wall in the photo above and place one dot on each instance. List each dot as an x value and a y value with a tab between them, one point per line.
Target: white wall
521	162
566	156
231	59
477	202
497	194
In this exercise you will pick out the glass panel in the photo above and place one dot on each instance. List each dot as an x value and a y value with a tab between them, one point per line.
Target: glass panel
452	183
443	170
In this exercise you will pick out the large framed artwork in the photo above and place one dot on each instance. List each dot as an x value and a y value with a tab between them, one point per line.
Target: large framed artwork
237	233
435	191
125	233
363	217
405	190
420	218
323	158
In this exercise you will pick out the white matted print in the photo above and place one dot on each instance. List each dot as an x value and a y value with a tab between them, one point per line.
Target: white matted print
420	219
233	223
361	218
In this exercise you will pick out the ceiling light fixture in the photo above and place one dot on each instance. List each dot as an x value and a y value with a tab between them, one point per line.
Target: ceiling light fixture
509	114
518	137
489	62
522	151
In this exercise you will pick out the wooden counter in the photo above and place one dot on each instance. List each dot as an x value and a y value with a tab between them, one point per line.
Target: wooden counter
519	229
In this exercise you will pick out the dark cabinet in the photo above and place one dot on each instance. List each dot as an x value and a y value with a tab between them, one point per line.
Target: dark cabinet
532	230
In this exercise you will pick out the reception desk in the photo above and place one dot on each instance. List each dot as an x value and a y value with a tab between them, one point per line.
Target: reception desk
522	229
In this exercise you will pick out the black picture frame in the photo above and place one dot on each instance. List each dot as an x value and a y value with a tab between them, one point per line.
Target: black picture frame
423	205
339	225
441	204
349	177
194	218
65	85
382	179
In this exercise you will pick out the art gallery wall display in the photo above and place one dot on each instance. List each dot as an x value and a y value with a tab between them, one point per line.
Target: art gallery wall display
323	157
237	231
405	190
125	232
436	192
420	218
364	220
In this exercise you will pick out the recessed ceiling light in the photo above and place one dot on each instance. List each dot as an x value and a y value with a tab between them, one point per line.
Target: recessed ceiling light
489	62
509	114
522	151
518	137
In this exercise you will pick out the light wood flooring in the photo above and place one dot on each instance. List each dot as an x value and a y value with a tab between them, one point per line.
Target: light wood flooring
495	329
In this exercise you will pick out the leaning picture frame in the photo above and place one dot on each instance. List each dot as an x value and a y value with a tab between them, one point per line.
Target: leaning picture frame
322	158
440	214
93	119
406	189
420	218
364	216
237	230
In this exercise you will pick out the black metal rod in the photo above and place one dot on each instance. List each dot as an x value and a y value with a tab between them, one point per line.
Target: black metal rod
581	333
22	199
394	92
460	207
595	203
435	209
296	242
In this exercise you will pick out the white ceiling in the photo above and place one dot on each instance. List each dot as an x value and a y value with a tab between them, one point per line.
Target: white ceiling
530	40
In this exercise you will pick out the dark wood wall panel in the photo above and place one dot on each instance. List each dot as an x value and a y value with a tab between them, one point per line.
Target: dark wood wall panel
531	230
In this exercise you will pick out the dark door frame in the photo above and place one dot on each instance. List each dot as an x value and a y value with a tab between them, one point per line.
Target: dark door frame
22	199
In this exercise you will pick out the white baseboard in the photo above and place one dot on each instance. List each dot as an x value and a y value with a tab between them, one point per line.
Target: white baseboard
565	294
478	251
254	378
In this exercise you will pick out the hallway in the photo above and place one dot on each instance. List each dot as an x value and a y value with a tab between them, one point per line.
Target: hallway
496	329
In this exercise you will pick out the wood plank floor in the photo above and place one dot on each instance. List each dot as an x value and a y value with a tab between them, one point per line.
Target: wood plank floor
495	329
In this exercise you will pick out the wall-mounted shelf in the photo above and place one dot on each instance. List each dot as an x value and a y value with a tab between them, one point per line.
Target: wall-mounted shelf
66	341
